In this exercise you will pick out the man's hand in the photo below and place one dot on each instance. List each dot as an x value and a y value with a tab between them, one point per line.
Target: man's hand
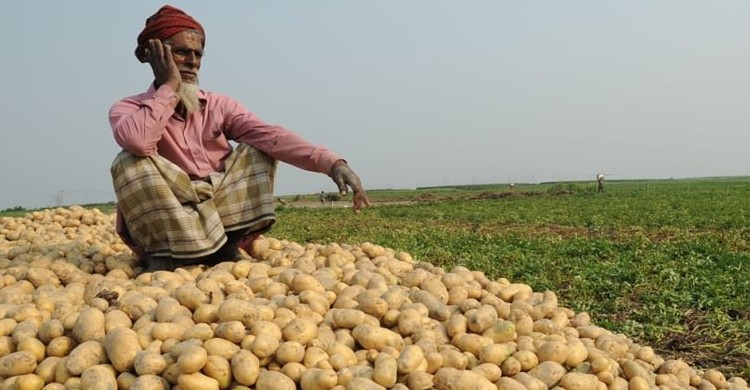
165	70
344	177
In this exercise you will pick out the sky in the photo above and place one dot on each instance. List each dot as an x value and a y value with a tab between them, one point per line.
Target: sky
411	93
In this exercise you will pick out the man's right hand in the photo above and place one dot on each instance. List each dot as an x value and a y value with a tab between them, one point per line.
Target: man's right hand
165	70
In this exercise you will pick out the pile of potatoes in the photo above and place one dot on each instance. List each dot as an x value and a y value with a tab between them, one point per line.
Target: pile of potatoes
75	313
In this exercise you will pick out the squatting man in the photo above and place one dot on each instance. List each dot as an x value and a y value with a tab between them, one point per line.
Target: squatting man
185	196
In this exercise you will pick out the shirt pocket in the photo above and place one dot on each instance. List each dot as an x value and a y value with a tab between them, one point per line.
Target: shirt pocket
215	140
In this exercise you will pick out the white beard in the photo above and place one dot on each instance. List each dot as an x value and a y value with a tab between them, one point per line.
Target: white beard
188	95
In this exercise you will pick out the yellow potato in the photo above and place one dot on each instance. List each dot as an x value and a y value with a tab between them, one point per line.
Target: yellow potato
318	379
448	378
121	345
218	368
85	355
99	377
385	371
301	330
245	367
290	351
192	359
197	381
271	380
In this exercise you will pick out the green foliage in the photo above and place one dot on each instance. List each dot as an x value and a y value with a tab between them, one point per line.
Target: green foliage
14	209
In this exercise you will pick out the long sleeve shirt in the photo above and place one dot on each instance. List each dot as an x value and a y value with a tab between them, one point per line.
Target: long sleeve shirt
146	124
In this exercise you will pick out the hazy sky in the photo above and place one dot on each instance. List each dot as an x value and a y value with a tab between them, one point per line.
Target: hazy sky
411	93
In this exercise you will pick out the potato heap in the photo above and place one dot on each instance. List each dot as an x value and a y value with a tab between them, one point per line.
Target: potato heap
74	315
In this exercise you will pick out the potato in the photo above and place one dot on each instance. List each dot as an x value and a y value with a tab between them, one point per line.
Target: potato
192	359
530	382
507	383
34	346
46	368
290	351
300	329
496	353
638	383
318	379
419	380
116	319
49	330
577	353
448	378
220	347
385	372
264	345
266	327
245	367
190	296
490	371
121	346
197	381
206	313
481	319
410	359
363	384
510	366
271	380
469	342
293	370
200	331
17	363
218	368
527	359
579	381
371	337
233	331
552	351
27	382
454	358
149	363
85	355
99	377
149	382
501	331
548	372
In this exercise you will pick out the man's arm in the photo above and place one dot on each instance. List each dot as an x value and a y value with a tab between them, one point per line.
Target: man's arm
138	125
278	142
285	145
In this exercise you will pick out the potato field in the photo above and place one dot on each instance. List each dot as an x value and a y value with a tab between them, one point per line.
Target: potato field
545	286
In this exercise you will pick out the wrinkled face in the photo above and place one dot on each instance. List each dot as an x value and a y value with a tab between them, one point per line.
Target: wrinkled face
187	51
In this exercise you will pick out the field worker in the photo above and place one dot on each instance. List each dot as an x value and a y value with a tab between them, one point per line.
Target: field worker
185	196
599	182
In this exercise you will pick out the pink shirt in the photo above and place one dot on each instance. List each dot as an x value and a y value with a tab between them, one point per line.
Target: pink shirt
146	125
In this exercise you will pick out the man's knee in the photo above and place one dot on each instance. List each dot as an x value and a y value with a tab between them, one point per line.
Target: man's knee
126	160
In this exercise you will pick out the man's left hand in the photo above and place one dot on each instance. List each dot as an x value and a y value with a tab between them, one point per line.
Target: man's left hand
344	178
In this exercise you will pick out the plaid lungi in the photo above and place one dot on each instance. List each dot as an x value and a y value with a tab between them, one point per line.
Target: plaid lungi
168	214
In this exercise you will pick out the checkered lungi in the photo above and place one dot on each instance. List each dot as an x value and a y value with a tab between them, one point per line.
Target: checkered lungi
168	214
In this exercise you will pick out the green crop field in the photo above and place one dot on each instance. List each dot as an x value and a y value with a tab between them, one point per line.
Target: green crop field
665	262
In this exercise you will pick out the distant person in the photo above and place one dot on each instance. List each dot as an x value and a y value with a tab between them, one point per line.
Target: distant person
599	182
322	197
185	196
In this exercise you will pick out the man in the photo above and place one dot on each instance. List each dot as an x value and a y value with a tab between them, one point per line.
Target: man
185	196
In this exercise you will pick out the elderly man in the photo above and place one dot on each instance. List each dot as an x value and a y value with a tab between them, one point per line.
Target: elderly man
185	196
